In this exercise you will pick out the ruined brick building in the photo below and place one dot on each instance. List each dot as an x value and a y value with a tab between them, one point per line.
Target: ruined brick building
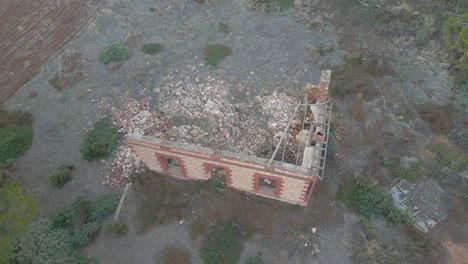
303	140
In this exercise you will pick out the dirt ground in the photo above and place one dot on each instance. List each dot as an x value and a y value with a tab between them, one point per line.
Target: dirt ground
33	32
272	51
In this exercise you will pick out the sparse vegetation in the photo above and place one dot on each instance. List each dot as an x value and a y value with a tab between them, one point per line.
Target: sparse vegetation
61	176
412	173
198	229
158	205
437	116
364	198
116	227
450	157
151	48
213	186
214	53
101	141
356	75
223	243
152	9
255	260
115	52
333	146
174	255
16	134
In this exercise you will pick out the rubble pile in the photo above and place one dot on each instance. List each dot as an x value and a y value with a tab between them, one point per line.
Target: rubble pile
230	127
209	120
123	164
279	106
135	117
131	117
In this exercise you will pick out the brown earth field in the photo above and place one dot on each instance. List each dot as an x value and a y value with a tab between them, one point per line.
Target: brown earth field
34	31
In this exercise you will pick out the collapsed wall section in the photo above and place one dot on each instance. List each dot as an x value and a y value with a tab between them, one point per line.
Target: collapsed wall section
245	173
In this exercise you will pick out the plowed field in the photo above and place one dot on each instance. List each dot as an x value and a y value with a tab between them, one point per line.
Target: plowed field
34	31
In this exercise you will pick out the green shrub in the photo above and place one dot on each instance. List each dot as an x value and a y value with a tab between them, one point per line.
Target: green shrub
213	186
116	227
17	210
81	207
62	219
465	197
101	141
102	207
460	136
115	52
42	244
333	146
16	135
152	9
449	157
461	86
61	176
456	33
364	198
81	235
214	53
151	48
223	244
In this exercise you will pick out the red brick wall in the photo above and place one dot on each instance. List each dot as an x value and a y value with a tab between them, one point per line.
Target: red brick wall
242	172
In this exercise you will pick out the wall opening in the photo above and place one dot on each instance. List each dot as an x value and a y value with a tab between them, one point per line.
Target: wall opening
267	186
173	164
218	174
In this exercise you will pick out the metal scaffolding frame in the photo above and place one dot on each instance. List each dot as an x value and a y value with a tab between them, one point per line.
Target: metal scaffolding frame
325	111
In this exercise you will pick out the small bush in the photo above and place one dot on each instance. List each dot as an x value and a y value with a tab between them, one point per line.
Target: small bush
223	244
460	136
101	141
456	33
213	186
62	219
81	207
61	176
115	52
151	48
364	198
174	255
224	27
465	197
102	207
81	235
214	53
152	9
116	227
16	135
